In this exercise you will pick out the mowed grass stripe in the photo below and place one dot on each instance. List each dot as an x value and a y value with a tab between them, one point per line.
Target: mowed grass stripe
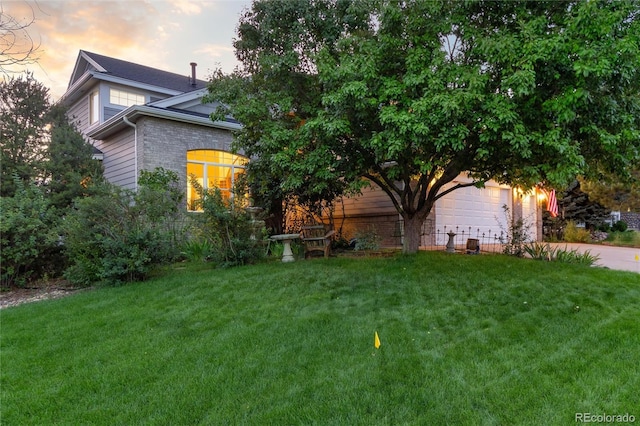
465	340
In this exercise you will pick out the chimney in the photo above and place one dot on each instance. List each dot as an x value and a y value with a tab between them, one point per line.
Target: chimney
193	73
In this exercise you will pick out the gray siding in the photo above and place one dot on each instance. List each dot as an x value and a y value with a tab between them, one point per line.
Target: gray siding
118	163
373	210
373	201
78	114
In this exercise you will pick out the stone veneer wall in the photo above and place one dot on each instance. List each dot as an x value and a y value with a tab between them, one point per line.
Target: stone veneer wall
632	220
164	143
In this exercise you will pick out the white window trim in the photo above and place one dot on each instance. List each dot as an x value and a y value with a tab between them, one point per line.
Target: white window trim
205	175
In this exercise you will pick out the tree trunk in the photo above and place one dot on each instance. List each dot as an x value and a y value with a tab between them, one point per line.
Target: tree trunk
412	233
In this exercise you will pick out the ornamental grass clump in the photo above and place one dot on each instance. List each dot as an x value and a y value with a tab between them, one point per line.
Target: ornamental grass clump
540	251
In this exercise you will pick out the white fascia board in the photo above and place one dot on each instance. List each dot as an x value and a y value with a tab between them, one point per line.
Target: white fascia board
133	113
85	57
96	65
196	95
86	77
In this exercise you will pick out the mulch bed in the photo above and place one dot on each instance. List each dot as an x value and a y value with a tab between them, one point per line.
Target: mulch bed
14	296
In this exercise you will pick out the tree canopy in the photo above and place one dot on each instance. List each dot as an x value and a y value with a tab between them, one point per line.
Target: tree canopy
411	94
39	145
614	193
24	107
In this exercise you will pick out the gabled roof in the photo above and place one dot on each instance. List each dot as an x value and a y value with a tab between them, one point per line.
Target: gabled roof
88	61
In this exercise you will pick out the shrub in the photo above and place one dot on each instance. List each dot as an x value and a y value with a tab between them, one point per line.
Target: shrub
29	239
573	234
516	236
118	235
229	228
367	239
619	226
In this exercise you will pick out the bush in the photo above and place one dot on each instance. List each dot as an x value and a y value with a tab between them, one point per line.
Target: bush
573	234
118	236
29	239
619	226
516	236
367	239
229	229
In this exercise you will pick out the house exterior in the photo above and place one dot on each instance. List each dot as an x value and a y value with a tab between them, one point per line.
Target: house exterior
140	118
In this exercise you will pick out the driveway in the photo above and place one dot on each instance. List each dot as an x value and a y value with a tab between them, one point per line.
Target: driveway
619	258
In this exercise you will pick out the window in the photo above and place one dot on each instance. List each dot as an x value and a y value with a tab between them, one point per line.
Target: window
127	99
94	107
212	169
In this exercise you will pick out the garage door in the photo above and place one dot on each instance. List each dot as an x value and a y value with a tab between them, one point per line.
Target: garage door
471	209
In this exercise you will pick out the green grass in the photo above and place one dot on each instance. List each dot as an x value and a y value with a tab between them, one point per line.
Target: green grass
466	340
624	239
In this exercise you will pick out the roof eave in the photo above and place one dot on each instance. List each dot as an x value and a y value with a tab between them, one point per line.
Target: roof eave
116	123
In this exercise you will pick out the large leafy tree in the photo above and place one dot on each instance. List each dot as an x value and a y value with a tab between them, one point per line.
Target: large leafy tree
411	94
613	192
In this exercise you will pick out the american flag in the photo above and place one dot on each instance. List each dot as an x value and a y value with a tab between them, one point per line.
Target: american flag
552	203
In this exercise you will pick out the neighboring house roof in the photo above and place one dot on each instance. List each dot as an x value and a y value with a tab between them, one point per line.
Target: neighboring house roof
97	154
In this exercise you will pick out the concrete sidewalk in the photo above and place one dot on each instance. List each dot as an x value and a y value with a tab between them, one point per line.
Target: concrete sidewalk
619	258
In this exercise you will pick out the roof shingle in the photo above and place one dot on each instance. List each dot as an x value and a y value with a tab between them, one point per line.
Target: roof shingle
146	75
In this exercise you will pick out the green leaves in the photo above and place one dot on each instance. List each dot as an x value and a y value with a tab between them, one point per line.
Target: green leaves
521	92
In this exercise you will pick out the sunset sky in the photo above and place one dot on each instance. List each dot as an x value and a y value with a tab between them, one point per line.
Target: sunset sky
164	34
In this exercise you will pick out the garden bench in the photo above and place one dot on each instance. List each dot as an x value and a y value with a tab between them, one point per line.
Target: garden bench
316	238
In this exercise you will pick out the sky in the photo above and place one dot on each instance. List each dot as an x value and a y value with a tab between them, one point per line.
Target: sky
163	34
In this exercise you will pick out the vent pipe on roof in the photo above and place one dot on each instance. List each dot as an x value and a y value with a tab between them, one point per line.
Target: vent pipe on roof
193	73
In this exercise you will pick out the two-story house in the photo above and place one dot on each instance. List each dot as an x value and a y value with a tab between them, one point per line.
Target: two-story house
140	118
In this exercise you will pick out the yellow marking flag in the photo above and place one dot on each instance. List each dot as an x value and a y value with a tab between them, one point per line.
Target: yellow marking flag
637	258
376	340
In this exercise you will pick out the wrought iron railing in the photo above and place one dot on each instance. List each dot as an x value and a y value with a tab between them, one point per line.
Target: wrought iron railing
488	240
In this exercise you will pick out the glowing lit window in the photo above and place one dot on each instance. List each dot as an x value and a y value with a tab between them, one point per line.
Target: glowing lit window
127	99
212	169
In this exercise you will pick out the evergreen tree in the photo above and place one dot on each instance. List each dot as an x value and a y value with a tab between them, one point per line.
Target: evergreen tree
24	104
70	168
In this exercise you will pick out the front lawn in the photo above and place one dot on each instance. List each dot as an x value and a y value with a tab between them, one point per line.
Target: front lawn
466	340
624	239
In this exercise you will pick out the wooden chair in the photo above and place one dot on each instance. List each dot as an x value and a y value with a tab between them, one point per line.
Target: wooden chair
316	238
473	246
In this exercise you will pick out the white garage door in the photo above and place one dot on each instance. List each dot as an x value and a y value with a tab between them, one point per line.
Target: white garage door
472	210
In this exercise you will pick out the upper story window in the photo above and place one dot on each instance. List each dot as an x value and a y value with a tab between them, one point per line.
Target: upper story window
94	107
212	169
123	98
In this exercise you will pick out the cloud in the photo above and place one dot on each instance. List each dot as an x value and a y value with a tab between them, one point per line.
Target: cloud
215	50
163	34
